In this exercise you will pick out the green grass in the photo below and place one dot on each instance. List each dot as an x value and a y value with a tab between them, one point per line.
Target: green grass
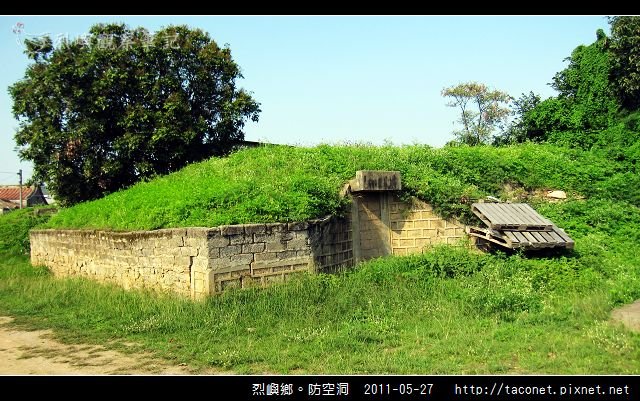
450	311
15	226
271	184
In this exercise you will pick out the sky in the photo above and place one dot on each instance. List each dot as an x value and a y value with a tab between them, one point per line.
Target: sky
336	79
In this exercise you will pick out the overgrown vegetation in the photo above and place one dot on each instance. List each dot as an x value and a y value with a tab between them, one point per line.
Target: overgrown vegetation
123	105
449	310
598	97
446	311
14	229
270	184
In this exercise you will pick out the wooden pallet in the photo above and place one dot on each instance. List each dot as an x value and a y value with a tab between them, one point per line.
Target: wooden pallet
511	216
531	239
488	234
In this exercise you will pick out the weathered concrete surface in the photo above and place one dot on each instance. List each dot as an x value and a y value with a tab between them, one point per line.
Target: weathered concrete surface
376	180
197	262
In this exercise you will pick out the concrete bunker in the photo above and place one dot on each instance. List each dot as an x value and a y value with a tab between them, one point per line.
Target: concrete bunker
199	262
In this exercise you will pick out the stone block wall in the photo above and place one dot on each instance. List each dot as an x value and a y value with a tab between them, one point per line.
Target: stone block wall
198	262
246	255
414	227
170	259
387	225
332	240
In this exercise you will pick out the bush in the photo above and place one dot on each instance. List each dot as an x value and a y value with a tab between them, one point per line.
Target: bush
14	229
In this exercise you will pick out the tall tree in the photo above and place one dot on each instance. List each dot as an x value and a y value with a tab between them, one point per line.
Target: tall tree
122	105
625	59
482	110
518	128
585	105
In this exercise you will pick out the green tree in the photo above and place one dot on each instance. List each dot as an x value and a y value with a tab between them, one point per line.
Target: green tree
585	87
624	49
517	130
482	110
586	102
100	114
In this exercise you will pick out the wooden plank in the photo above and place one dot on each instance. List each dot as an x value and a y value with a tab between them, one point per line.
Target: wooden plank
475	230
532	240
484	219
479	208
528	212
543	220
517	222
570	244
483	233
487	212
492	239
528	236
536	219
505	239
479	231
512	237
518	225
531	215
505	217
478	212
520	237
508	242
510	217
512	214
523	215
556	238
561	233
547	237
538	236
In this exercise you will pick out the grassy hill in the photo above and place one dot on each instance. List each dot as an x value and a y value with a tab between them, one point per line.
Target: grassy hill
448	311
278	183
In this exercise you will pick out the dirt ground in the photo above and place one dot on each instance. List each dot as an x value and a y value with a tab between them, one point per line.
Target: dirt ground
36	353
629	315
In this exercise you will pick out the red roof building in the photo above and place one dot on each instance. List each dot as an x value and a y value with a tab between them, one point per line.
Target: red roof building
31	196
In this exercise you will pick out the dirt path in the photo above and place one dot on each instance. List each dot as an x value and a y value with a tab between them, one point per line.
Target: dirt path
629	315
36	353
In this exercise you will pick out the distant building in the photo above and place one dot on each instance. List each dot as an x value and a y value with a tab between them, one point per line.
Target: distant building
31	196
7	206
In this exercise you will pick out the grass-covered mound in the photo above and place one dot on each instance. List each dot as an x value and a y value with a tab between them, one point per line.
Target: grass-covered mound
279	183
448	311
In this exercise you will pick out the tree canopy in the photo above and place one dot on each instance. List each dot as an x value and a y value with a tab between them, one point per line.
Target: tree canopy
481	110
586	102
99	114
625	54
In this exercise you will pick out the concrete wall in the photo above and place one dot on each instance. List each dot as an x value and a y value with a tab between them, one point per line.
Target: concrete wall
332	244
370	215
161	260
389	225
414	227
198	262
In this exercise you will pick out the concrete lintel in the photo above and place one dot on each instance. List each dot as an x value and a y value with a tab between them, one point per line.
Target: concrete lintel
376	180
